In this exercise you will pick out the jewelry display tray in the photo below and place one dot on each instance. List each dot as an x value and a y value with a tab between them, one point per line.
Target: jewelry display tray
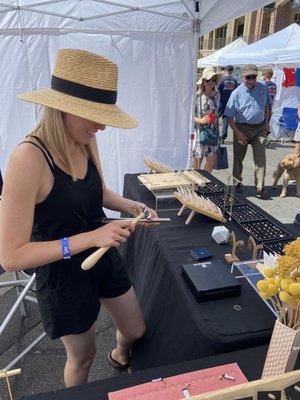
249	219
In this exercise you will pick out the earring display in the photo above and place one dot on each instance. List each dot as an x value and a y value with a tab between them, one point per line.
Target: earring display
263	230
209	188
254	248
244	212
237	247
276	246
202	205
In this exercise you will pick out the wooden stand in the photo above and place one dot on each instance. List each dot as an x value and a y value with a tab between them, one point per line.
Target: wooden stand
237	246
5	375
253	247
197	204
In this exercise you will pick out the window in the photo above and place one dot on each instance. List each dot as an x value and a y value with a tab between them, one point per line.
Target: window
297	18
240	30
221	37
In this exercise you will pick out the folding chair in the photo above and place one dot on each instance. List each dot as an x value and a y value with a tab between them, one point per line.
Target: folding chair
23	284
288	123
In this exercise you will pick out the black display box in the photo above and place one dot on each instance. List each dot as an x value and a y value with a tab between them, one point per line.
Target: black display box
210	280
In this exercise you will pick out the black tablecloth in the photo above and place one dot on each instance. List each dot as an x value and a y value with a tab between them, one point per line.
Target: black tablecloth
179	328
250	361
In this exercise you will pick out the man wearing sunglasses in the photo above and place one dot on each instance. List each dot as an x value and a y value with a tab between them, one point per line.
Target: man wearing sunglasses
248	111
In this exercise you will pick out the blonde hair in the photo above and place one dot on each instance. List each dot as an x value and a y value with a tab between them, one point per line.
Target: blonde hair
52	130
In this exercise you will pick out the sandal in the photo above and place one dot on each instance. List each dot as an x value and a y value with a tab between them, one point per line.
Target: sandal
262	194
116	365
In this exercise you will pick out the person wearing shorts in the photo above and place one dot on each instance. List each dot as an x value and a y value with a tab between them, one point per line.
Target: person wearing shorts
51	209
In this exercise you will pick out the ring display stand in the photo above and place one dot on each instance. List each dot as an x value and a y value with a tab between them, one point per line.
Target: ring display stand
244	212
209	188
220	198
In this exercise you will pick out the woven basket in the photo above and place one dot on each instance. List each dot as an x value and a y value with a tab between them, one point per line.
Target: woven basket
283	350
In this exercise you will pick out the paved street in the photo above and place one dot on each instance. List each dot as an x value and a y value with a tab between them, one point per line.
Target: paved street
42	368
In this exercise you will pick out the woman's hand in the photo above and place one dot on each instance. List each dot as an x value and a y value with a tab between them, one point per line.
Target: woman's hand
137	210
112	234
203	120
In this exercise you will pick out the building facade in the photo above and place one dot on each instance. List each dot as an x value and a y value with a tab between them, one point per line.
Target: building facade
253	26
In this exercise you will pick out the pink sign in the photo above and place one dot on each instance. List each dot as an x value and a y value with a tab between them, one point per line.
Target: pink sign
181	386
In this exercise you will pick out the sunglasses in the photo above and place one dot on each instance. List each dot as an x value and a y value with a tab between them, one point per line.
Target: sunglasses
250	77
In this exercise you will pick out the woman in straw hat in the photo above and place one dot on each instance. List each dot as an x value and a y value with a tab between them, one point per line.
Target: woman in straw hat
51	209
207	119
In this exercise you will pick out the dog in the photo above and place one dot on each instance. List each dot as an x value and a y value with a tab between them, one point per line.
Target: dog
289	166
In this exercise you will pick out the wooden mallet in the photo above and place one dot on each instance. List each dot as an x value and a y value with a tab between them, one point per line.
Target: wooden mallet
91	260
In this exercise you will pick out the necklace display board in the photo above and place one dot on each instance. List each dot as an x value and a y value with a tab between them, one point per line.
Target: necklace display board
185	385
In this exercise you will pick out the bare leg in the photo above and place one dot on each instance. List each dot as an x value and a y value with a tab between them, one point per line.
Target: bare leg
81	350
127	317
197	163
210	162
297	148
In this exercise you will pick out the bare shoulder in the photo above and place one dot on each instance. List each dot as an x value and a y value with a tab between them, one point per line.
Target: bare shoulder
28	155
26	163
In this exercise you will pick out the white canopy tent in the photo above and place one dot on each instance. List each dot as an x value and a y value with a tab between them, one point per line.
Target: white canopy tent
154	43
281	48
213	60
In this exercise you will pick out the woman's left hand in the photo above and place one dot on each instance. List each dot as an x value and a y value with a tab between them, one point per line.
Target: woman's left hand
138	210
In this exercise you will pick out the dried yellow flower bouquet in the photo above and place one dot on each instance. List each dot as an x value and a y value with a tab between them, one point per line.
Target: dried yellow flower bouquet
281	285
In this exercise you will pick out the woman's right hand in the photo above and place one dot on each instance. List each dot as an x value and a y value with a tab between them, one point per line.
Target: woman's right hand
112	234
205	119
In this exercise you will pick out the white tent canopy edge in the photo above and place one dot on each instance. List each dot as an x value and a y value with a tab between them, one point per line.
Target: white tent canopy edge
154	43
212	60
280	48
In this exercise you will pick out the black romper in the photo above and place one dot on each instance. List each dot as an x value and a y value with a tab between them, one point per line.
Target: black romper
68	297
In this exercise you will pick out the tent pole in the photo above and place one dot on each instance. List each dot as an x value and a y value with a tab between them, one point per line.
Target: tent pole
194	96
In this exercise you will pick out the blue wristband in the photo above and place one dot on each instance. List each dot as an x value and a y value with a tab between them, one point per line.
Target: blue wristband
65	248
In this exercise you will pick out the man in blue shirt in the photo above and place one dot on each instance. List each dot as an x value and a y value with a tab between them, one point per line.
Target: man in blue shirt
248	112
226	87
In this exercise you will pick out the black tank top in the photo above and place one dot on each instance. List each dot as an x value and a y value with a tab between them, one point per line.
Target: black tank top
70	207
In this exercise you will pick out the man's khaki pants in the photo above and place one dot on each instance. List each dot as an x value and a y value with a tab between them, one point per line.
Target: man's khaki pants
256	137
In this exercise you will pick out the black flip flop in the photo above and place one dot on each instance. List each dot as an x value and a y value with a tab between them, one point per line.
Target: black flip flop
116	365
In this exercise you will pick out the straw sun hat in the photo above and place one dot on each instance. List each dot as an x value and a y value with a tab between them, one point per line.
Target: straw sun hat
208	73
84	84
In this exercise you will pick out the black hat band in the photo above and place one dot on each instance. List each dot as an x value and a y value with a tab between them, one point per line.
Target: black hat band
83	92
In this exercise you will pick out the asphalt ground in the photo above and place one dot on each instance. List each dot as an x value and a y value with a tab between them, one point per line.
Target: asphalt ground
42	368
